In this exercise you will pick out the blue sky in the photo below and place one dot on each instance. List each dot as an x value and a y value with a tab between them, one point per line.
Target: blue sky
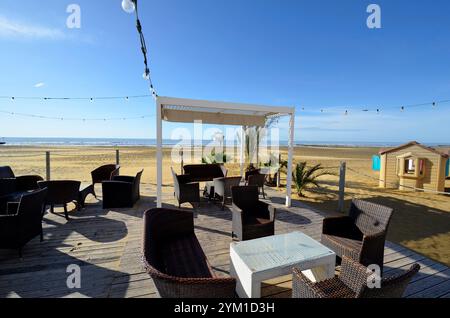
312	54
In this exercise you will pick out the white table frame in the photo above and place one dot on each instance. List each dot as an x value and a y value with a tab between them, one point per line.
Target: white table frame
248	283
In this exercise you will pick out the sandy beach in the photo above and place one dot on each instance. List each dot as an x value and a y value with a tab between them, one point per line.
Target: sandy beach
421	221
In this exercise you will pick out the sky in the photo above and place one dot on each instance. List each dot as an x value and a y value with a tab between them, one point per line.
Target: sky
309	54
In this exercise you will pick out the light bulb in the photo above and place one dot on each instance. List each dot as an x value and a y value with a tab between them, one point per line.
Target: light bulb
128	6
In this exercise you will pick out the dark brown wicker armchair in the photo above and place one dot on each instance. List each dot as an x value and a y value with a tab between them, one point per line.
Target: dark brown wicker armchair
257	180
23	222
104	173
121	191
175	260
185	190
12	187
222	187
360	235
351	283
61	192
251	218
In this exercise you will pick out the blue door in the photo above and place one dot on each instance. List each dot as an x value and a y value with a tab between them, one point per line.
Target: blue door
376	163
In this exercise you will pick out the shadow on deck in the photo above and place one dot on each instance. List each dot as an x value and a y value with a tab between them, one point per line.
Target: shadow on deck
106	244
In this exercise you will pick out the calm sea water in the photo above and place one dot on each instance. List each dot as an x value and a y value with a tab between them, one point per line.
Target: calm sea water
107	142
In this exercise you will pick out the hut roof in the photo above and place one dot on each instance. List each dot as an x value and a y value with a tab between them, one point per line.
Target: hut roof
413	143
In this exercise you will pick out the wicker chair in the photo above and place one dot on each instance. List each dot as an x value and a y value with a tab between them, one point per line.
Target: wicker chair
251	173
257	180
121	191
252	218
173	257
61	192
360	235
23	222
104	173
222	187
351	283
185	190
12	187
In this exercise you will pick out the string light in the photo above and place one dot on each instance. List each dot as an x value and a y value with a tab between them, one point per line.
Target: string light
131	6
379	109
84	119
13	98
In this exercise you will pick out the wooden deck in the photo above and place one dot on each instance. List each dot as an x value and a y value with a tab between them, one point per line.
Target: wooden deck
107	244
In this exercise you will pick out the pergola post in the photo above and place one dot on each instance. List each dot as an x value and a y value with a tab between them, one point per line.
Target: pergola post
290	155
242	150
159	155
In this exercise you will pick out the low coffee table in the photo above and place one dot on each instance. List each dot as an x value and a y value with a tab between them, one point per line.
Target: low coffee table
255	261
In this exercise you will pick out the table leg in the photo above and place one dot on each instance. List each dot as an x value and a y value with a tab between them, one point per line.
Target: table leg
246	285
322	272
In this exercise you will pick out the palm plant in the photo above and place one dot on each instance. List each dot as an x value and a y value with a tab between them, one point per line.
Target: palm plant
305	177
214	157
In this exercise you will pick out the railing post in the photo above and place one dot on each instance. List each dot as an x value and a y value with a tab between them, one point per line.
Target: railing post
341	186
117	157
182	161
47	165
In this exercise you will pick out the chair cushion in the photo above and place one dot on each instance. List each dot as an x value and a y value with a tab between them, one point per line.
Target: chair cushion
335	288
343	246
255	220
184	257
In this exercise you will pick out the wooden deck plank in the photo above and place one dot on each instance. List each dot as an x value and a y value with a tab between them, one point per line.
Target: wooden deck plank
107	247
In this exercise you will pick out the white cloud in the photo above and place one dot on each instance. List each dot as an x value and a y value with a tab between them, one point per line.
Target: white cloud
14	29
39	85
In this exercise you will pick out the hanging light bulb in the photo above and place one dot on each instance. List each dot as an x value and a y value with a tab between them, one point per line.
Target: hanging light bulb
402	108
12	98
146	74
434	104
92	100
128	6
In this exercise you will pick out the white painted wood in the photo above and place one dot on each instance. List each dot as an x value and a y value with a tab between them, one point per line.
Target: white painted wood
171	101
242	151
290	157
318	261
159	154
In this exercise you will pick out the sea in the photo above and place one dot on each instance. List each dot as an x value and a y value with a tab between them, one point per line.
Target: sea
133	142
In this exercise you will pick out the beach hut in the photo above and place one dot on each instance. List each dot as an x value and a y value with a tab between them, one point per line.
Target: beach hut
413	166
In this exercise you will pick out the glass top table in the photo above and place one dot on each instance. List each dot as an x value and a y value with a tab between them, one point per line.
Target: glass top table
273	256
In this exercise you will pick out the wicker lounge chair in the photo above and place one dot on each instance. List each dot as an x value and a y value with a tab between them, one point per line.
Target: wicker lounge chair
351	283
61	192
185	190
173	257
104	173
360	235
12	187
222	187
121	191
251	218
23	222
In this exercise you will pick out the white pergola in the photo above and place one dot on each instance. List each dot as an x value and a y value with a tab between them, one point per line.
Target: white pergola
220	113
